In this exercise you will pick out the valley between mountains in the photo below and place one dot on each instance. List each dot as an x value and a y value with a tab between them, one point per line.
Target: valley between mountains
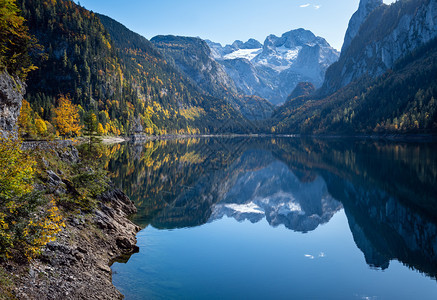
382	82
190	108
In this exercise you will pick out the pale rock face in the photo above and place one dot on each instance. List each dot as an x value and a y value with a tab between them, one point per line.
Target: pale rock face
358	18
11	97
380	42
273	70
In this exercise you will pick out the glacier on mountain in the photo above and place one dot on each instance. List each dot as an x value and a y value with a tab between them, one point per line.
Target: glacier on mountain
273	69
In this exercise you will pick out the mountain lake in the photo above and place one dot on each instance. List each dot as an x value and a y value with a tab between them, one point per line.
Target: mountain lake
280	218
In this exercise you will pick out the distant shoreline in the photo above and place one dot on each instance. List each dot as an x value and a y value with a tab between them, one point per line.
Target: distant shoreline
138	138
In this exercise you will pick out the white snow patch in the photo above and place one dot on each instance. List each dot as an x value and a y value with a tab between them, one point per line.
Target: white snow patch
289	54
248	54
249	208
289	207
278	68
281	60
283	203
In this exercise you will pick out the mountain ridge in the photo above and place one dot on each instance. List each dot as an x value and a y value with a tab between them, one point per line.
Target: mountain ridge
387	34
273	70
194	58
361	95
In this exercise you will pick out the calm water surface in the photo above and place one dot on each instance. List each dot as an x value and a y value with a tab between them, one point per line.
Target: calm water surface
282	218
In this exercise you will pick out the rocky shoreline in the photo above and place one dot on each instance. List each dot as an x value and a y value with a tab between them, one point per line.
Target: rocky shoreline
77	264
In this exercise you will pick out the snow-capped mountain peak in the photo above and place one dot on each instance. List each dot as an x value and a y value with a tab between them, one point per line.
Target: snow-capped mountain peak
273	69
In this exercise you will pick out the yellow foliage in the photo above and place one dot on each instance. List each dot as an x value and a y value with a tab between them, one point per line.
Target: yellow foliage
16	180
41	126
25	119
67	117
17	169
100	129
15	40
192	113
43	231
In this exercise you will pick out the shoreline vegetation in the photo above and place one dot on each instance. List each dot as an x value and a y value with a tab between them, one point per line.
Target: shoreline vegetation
64	222
108	140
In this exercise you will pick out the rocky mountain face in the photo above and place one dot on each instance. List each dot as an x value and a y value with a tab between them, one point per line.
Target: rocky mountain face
273	70
365	8
193	56
194	59
374	43
162	81
384	81
11	96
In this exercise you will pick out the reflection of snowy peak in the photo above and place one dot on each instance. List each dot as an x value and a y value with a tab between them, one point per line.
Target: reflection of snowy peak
277	194
274	69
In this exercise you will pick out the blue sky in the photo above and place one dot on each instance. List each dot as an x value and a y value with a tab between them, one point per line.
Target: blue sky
227	20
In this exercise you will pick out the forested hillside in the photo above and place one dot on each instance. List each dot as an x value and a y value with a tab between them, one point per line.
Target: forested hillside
175	89
119	77
387	34
192	56
384	82
403	100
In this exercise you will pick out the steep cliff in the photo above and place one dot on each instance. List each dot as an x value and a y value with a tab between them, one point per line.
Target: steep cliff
384	82
386	35
365	8
11	96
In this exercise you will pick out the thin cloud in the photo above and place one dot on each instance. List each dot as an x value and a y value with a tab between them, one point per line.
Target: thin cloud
315	6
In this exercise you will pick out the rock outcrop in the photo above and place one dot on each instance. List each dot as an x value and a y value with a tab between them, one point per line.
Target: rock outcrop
365	8
387	34
77	265
11	96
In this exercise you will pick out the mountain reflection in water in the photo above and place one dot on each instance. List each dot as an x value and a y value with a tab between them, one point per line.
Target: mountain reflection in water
388	190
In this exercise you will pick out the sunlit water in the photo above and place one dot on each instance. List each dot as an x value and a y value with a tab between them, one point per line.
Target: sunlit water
280	219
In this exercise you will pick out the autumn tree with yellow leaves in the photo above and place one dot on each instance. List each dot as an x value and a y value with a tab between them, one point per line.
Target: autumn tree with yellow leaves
23	231
15	41
26	120
67	117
